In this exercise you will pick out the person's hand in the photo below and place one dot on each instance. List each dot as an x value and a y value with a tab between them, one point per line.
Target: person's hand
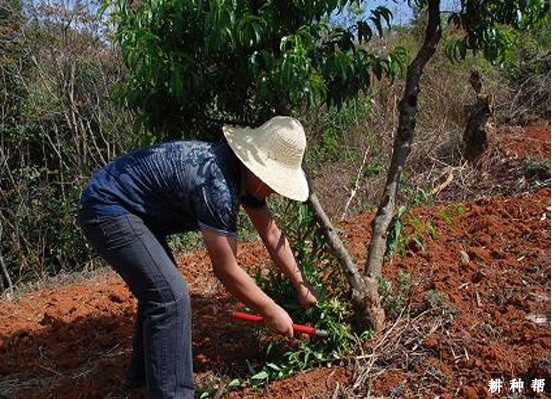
307	295
278	320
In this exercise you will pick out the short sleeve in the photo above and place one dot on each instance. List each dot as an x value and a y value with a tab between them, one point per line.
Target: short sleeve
216	204
249	200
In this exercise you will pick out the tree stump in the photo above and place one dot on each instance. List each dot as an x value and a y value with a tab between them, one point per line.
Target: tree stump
481	128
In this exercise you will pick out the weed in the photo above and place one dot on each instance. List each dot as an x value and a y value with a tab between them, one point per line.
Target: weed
414	194
371	169
207	391
395	232
186	242
536	169
435	299
394	297
400	242
336	123
450	212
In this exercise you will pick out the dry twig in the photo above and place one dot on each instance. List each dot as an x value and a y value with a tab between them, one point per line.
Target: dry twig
397	348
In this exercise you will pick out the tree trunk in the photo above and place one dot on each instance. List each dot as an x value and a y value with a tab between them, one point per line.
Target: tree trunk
480	130
362	287
365	295
408	107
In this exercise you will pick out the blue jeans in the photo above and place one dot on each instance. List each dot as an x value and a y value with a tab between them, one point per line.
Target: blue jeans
161	344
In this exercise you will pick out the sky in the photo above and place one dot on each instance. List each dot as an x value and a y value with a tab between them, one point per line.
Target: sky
401	12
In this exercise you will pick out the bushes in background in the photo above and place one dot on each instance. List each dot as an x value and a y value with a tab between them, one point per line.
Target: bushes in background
58	124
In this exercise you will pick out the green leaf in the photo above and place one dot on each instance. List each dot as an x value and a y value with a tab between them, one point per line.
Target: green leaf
378	25
257	28
234	383
377	67
364	31
274	367
263	375
390	64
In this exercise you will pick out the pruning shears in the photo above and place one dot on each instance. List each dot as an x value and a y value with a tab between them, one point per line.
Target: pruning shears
300	328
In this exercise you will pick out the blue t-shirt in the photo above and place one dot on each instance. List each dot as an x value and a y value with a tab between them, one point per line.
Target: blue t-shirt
174	187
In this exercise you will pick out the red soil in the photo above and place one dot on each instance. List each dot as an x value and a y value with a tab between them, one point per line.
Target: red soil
73	341
519	142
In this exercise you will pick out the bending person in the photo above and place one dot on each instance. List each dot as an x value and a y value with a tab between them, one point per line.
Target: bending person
132	204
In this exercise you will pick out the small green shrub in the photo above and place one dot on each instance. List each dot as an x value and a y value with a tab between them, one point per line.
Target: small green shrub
408	233
332	313
435	299
536	169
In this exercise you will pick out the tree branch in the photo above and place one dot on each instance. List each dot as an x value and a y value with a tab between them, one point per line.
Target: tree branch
408	107
3	265
333	241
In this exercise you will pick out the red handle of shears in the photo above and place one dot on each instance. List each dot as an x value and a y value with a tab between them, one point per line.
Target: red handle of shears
296	327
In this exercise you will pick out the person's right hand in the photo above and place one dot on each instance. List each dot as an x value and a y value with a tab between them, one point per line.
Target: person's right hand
278	320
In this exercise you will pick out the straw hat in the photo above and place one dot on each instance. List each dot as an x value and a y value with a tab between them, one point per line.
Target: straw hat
273	152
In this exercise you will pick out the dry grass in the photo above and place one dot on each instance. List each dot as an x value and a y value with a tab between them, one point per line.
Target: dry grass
435	168
94	270
528	100
18	384
398	348
497	176
343	187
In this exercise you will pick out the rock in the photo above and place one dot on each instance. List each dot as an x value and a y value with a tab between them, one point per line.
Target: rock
464	257
538	318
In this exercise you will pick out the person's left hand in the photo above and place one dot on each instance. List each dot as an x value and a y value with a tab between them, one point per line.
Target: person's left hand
307	295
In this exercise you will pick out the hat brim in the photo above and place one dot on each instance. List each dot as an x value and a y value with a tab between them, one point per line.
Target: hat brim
290	183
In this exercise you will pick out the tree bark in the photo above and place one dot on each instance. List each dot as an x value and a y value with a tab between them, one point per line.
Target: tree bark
3	266
365	296
408	107
480	130
364	290
336	247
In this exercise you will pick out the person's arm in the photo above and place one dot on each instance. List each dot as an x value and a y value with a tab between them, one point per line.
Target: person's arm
222	251
280	252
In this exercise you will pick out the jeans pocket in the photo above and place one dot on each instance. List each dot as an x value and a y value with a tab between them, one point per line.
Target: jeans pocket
112	233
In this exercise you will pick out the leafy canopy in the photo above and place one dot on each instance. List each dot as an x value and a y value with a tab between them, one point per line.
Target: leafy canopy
194	64
488	26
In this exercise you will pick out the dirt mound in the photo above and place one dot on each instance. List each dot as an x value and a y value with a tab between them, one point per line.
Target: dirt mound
478	310
533	142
